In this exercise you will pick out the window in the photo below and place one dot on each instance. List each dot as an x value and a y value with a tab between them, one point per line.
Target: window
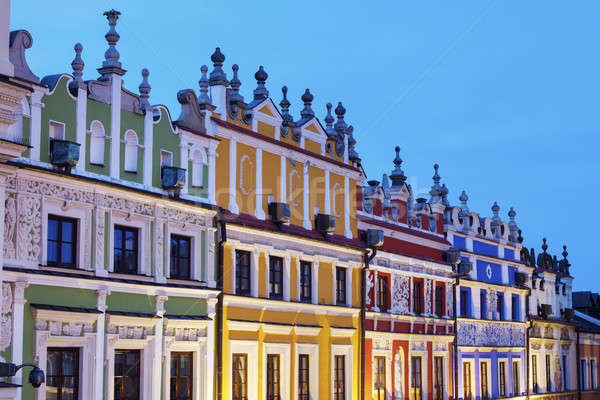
340	288
339	383
57	130
534	373
305	281
303	377
548	374
166	158
126	250
240	376
515	307
593	374
415	381
97	143
483	304
464	302
242	272
438	374
439	301
500	306
275	277
564	373
62	241
62	374
417	297
181	376
515	376
502	373
131	151
379	381
127	375
582	373
467	381
180	257
382	293
273	377
483	372
197	169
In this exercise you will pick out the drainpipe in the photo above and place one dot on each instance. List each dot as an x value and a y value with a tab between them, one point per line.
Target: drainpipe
363	313
527	333
219	308
577	355
455	363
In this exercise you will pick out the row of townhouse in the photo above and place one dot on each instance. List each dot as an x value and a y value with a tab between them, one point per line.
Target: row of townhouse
235	252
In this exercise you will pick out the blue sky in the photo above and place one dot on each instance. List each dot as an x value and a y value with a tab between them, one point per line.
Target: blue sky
503	94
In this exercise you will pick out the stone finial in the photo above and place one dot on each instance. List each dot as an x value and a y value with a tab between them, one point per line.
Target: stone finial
78	63
145	90
410	206
544	245
464	208
235	86
512	224
307	112
218	76
204	98
520	236
288	120
261	76
397	176
496	210
329	119
352	153
111	63
565	253
436	189
445	192
496	221
340	125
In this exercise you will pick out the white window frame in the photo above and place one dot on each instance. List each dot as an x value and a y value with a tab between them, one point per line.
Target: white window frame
286	277
194	232
593	374
178	343
348	269
521	383
198	164
489	378
387	354
56	123
283	350
507	369
474	389
250	348
445	374
131	151
97	138
343	350
78	211
584	377
168	154
254	266
46	336
143	226
312	350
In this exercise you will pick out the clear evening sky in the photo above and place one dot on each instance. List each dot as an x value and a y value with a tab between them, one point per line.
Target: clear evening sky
503	94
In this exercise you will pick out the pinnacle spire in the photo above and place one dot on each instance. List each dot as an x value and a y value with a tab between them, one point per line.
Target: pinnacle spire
111	63
203	98
145	90
261	76
78	63
307	112
397	176
218	76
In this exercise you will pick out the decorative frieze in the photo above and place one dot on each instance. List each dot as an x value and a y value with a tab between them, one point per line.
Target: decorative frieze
10	223
29	228
6	317
400	295
485	333
428	296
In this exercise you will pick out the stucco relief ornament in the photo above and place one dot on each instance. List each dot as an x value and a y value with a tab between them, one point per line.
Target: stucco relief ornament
10	222
400	295
449	309
428	294
6	317
99	238
29	229
370	285
398	381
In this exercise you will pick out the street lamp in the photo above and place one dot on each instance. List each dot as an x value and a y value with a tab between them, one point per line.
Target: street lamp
36	375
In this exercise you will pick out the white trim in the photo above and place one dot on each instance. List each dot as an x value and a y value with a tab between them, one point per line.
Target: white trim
250	348
143	226
283	350
313	364
346	351
194	233
115	125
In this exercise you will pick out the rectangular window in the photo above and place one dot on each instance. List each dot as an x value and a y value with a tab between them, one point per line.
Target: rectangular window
593	374
180	257
502	378
416	392
166	158
548	374
564	373
382	293
379	381
275	277
127	374
500	306
464	303
515	376
417	297
126	250
438	374
534	373
467	381
339	382
303	377
484	381
483	304
181	376
242	272
340	287
439	301
62	241
239	377
273	377
582	377
515	307
305	281
57	130
62	374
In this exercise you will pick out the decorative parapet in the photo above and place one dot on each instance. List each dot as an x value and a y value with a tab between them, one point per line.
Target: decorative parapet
490	333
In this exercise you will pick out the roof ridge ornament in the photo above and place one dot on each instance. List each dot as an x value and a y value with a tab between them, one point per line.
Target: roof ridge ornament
436	189
445	192
111	63
261	76
352	153
512	225
329	121
496	221
397	176
287	119
307	112
340	126
204	99
145	91
218	76
77	64
236	100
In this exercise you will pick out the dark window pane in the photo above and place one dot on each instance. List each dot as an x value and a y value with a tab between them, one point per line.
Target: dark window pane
52	228
52	252
61	243
66	253
67	231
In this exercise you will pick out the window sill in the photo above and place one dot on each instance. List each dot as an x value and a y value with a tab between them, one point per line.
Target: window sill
130	172
96	165
197	187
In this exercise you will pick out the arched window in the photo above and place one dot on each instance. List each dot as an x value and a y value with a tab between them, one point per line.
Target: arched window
198	163
131	150
97	143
